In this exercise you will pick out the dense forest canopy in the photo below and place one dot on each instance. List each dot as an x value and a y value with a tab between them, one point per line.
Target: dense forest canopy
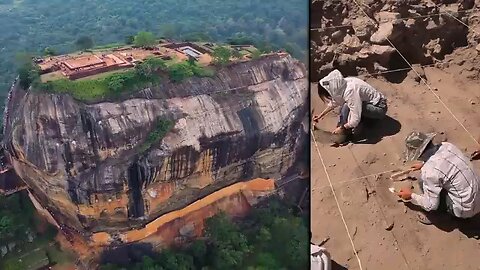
271	237
40	26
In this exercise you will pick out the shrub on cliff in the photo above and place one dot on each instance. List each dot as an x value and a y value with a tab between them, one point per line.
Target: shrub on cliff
28	72
162	127
180	71
221	55
149	67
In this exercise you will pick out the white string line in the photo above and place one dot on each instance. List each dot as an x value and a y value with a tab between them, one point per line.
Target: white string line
393	234
354	179
433	92
460	21
382	212
401	69
337	202
404	18
423	80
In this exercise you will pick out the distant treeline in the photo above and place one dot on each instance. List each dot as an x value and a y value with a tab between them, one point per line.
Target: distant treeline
60	26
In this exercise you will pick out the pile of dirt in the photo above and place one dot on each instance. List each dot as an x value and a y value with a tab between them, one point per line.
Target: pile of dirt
425	33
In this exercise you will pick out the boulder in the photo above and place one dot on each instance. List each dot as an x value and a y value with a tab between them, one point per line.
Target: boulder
410	23
384	32
433	47
385	16
478	48
378	50
363	27
431	25
377	53
188	230
337	35
417	70
352	43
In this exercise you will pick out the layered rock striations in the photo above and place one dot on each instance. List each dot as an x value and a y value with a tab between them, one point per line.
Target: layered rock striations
90	166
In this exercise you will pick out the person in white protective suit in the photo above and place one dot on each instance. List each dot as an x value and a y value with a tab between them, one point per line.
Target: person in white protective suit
448	180
358	100
319	258
476	154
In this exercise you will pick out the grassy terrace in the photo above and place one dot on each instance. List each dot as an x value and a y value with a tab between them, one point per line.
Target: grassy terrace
113	84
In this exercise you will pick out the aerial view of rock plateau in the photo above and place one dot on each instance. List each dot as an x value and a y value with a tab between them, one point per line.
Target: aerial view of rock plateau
154	135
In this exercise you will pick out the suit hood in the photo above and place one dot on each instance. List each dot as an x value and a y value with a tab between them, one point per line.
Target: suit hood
335	84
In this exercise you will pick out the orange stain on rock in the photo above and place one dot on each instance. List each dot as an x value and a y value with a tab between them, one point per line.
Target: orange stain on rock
190	219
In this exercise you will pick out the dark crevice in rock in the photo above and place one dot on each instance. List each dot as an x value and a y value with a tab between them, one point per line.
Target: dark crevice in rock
136	175
88	128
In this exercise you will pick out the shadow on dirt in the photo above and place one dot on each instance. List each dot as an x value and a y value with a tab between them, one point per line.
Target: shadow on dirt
374	132
448	223
336	266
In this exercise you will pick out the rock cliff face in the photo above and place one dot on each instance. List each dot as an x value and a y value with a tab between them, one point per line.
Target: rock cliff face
87	165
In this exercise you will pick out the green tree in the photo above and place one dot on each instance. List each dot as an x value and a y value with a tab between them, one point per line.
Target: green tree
149	67
295	233
149	264
145	39
116	83
6	228
129	40
12	265
180	71
256	54
49	51
198	250
221	55
266	261
168	30
109	266
28	74
169	260
229	245
236	54
84	43
240	39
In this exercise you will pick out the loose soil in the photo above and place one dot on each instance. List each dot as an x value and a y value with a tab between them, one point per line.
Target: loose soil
368	207
385	233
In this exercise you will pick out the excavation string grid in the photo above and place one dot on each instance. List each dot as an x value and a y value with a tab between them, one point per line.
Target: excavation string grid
421	78
347	181
322	160
336	201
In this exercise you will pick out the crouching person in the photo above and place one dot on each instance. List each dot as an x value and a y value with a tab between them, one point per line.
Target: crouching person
448	180
319	258
359	101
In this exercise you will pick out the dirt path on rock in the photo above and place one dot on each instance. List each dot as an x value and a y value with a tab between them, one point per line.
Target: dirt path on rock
365	202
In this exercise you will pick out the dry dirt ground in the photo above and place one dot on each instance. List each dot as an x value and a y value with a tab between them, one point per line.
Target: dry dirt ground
367	205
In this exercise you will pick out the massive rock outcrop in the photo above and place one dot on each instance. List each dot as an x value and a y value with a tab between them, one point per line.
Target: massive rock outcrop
358	39
88	164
